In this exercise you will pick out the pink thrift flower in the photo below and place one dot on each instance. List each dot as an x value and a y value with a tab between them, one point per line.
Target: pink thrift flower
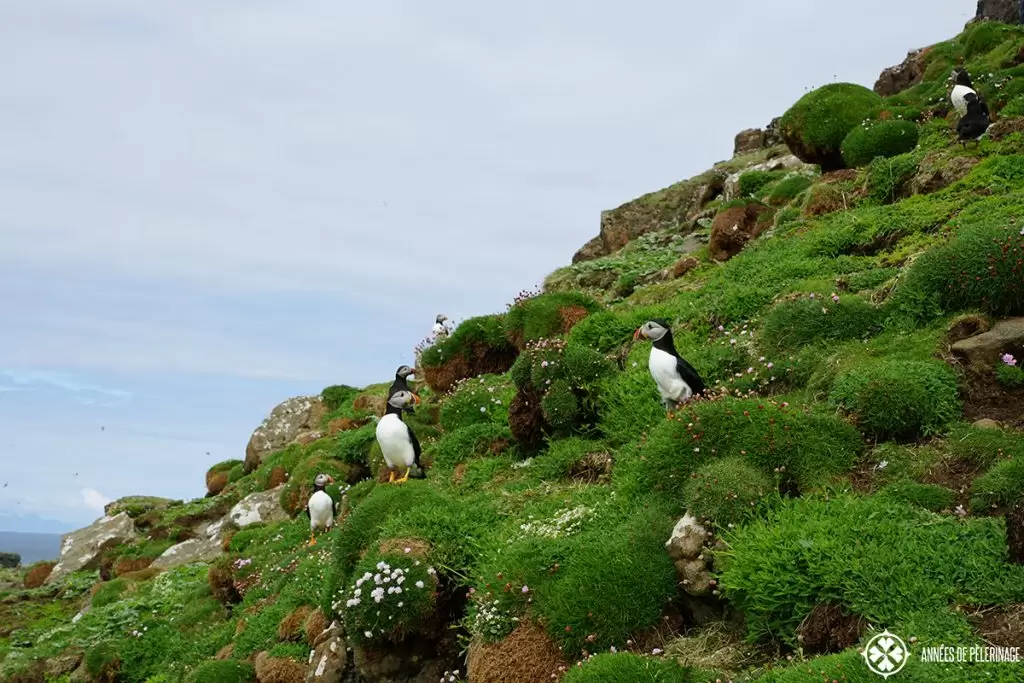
1009	360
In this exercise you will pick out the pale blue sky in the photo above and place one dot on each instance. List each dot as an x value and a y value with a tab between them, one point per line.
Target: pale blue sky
194	224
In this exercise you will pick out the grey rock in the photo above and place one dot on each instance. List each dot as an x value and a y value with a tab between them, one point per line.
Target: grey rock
329	658
687	540
904	75
983	350
81	549
1006	11
731	187
936	173
286	424
749	140
262	506
188	552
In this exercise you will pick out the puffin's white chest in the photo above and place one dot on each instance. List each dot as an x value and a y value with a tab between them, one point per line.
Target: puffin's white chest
957	98
438	329
395	445
321	510
663	369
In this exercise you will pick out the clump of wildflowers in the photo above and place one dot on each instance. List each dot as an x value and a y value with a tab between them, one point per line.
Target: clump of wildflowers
1009	372
388	599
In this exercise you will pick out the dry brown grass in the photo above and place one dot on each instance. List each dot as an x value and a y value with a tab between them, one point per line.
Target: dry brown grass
139	575
225	652
290	628
418	548
38	573
316	623
215	482
527	654
222	583
126	565
278	670
718	646
278	475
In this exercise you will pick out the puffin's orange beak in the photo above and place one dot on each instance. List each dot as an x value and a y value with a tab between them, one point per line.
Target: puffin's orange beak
416	399
636	335
330	479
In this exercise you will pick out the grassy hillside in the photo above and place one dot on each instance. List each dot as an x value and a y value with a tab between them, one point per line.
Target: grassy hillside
835	482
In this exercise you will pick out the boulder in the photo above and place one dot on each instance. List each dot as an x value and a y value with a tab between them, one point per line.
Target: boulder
286	424
986	423
734	227
904	75
262	506
81	549
983	350
1006	11
187	552
731	186
749	140
330	657
936	172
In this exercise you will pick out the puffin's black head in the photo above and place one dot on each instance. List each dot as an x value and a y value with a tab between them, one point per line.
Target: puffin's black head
441	317
403	371
653	329
402	398
322	480
961	77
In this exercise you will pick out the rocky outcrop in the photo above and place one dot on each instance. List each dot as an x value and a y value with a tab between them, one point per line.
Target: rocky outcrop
81	549
667	208
260	507
187	552
329	658
686	548
1006	11
293	421
734	227
749	140
731	186
904	75
136	506
983	350
937	172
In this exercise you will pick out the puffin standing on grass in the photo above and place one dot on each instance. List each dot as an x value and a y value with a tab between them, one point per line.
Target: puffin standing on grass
401	383
962	87
398	443
677	380
973	124
320	507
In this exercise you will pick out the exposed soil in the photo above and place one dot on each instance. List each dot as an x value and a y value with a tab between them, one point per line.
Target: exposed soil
477	359
984	397
829	629
956	475
1002	626
592	468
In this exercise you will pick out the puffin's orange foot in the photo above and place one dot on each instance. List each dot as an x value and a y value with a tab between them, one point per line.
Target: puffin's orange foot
391	477
671	415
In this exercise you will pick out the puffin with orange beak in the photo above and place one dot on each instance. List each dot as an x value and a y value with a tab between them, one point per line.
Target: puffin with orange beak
677	380
320	507
398	443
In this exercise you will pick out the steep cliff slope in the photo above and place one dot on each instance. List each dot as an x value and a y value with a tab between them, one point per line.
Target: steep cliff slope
851	288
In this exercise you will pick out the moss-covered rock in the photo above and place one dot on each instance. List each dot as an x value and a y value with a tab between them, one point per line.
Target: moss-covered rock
814	128
478	346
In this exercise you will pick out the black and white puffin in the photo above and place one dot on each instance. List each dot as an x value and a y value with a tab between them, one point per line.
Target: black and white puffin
398	443
677	380
440	329
973	125
401	383
962	87
320	507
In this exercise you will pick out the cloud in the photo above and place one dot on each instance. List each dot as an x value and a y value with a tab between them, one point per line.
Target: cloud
94	500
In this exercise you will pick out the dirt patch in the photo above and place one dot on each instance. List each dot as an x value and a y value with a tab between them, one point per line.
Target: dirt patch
966	326
278	475
290	628
1002	626
527	654
222	583
125	565
526	418
215	482
344	424
985	398
956	475
736	226
141	575
571	315
592	468
1015	533
826	198
475	360
37	574
829	629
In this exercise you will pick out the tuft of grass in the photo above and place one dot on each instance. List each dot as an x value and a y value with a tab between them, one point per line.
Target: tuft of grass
876	139
727	492
547	315
487	331
627	667
796	323
928	496
892	563
222	671
1001	486
816	125
478	400
899	399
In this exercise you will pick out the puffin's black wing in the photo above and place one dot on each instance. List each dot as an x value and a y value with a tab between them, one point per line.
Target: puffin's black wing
416	450
690	376
308	513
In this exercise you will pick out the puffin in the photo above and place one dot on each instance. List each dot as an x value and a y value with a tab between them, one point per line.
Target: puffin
398	443
973	124
440	329
962	87
677	380
401	383
320	507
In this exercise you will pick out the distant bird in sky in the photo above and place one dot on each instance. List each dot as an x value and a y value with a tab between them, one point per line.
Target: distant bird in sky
5	484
